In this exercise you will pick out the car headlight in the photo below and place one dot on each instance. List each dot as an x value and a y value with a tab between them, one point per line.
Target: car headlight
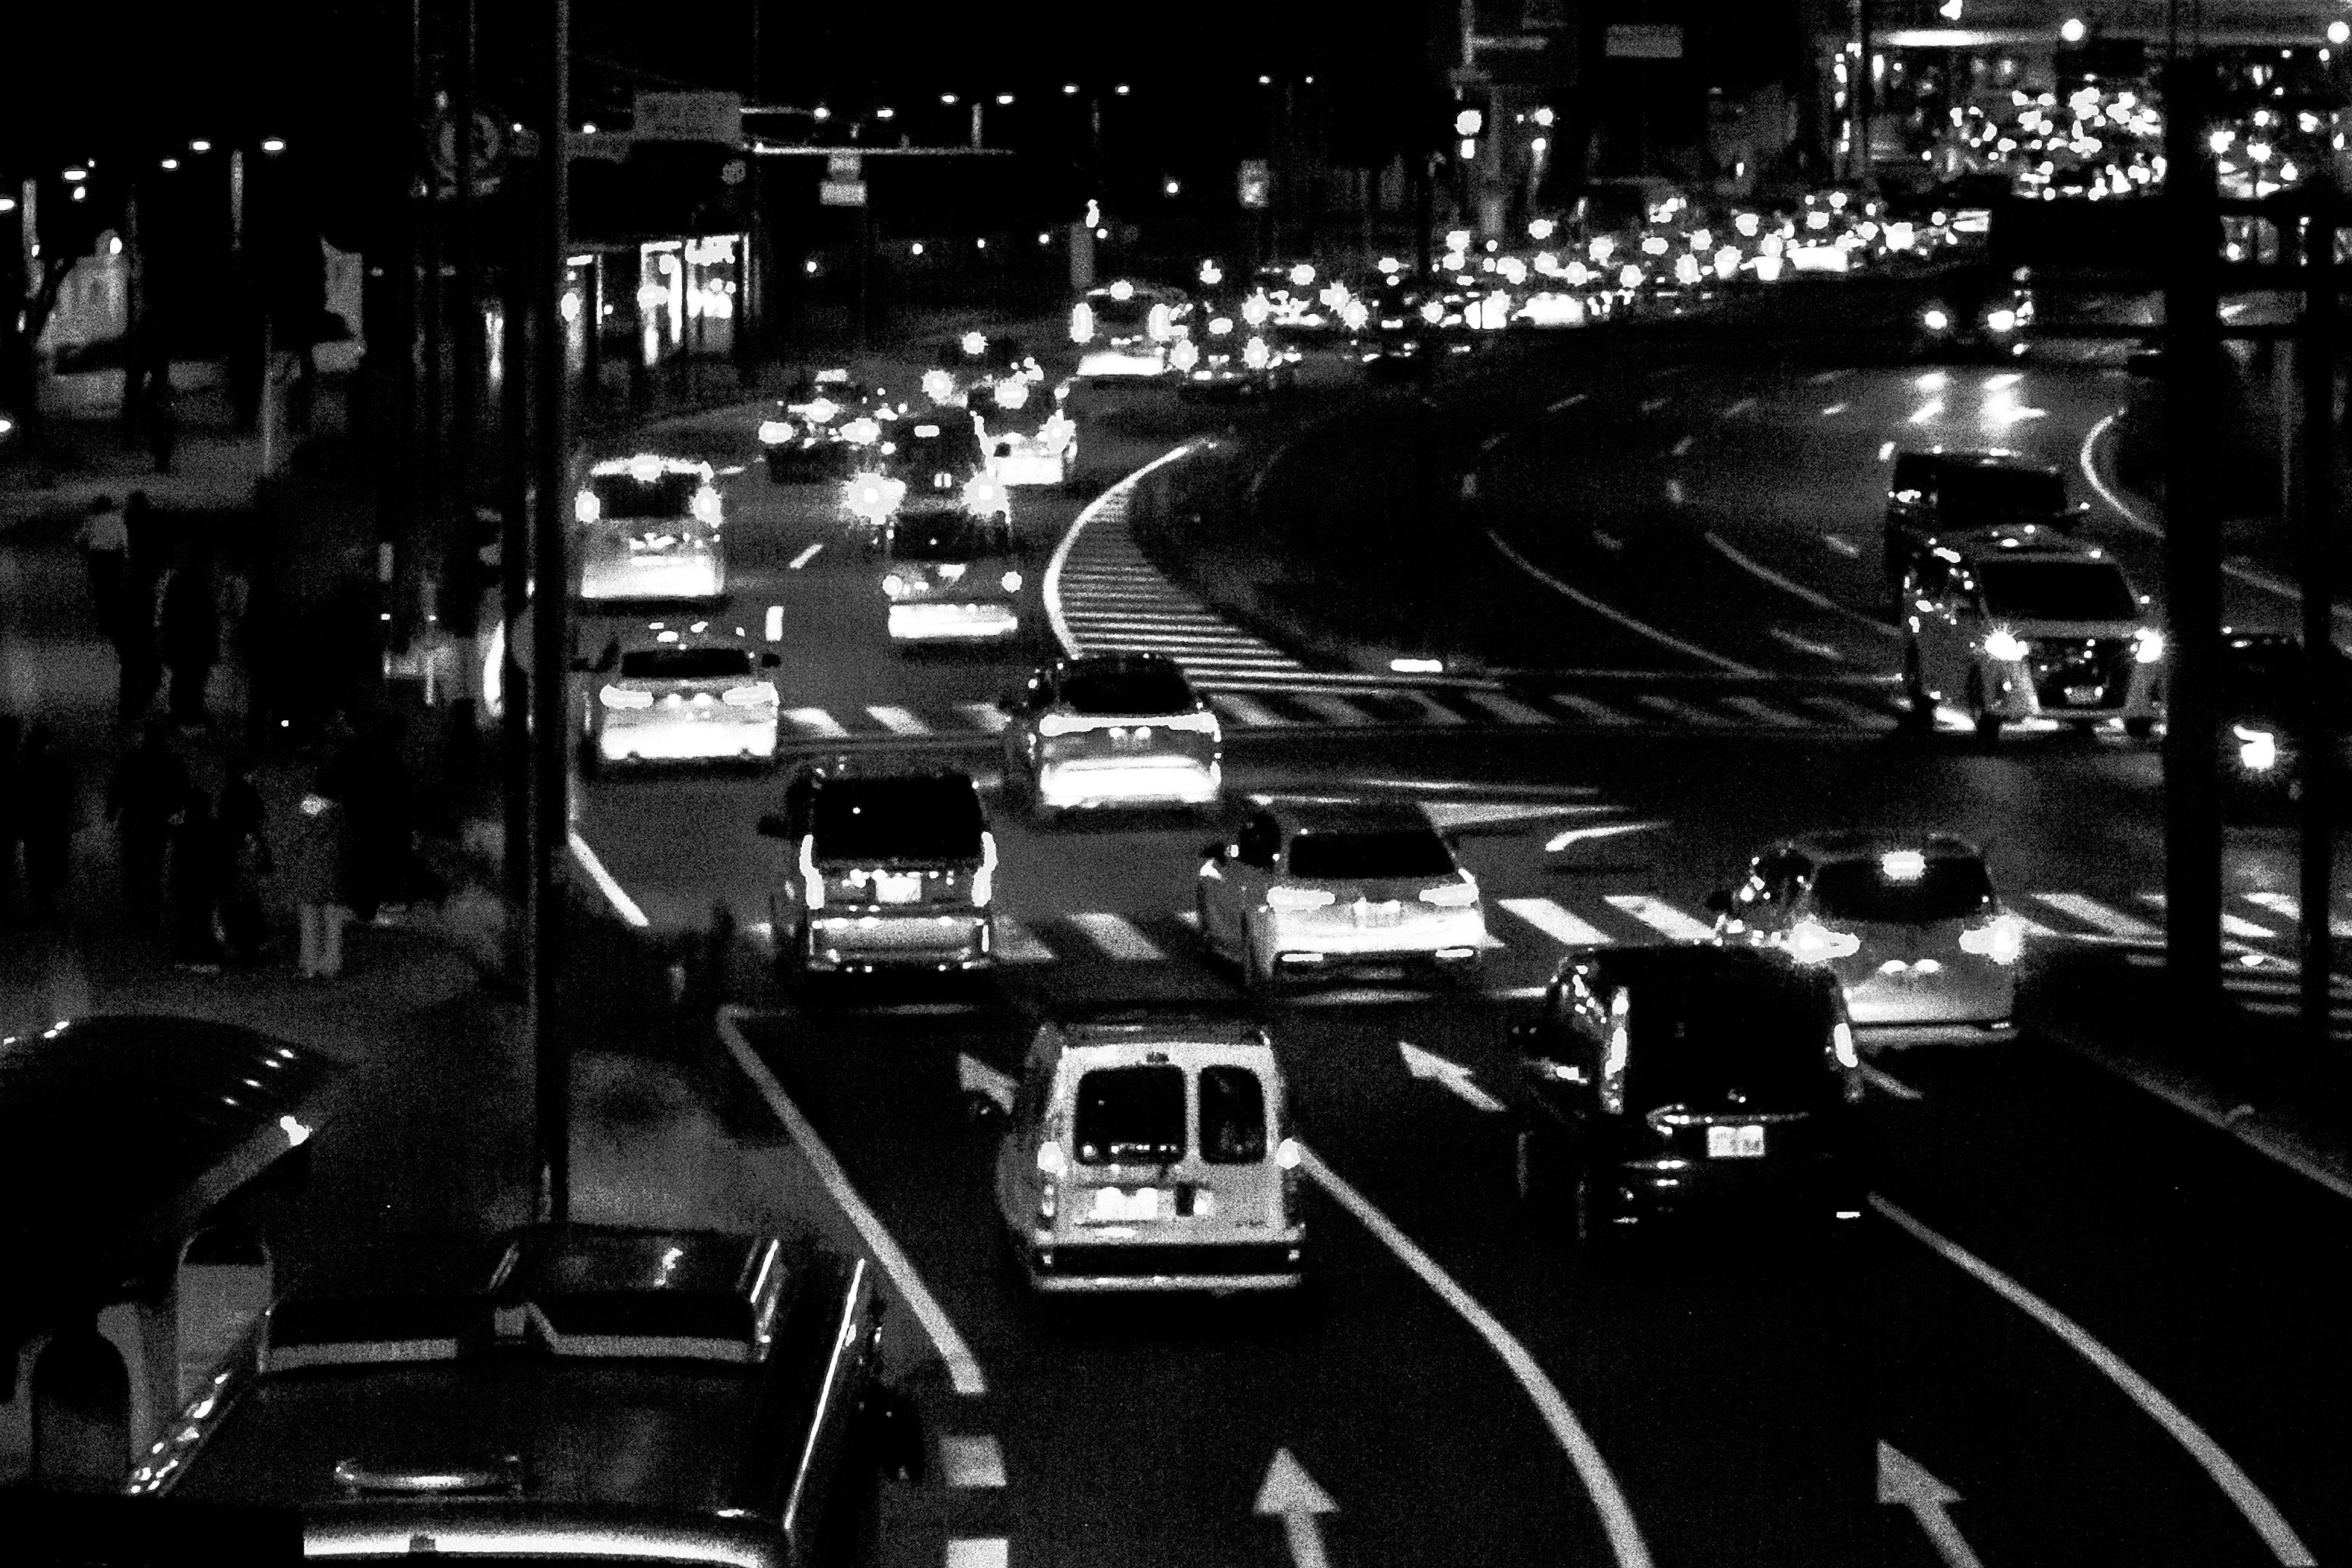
1842	1044
1010	393
2257	748
1809	941
775	432
585	507
1937	320
2005	645
2001	321
2148	645
1012	580
1283	898
2000	939
894	586
982	495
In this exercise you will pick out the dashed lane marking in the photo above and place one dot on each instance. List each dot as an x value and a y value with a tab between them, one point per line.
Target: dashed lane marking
972	1461
1652	404
1804	644
1118	936
805	556
1585	707
899	721
1676	708
985	715
1842	545
1739	408
606	884
1931	409
1888	1083
1611	612
1509	709
1660	917
2232	925
2092	913
1243	711
1834	409
1852	713
2281	905
1827	378
1819	600
815	721
1016	944
1763	711
984	1552
1561	406
1432	711
1337	710
1684	445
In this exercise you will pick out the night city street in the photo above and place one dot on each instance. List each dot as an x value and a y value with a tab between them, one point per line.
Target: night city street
1455	785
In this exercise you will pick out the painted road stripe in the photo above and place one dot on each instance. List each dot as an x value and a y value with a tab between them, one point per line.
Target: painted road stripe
1432	711
1763	711
1851	712
1610	612
963	1367
1241	710
1660	916
815	722
805	556
1804	644
1827	378
1016	944
1888	1083
1790	586
1684	445
1336	709
980	1551
1509	709
1739	408
899	721
1586	708
1117	935
772	628
971	1461
985	715
2234	925
2280	904
1548	917
1674	708
1561	406
2092	912
614	894
2235	1485
1617	1520
1834	409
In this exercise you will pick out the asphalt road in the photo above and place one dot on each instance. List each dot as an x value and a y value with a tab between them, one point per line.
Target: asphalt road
1737	1389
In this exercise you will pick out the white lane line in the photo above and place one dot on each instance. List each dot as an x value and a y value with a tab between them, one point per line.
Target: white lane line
1450	1076
1509	709
1827	378
1739	408
1497	439
1834	409
971	1461
1804	644
1931	409
1675	493
2089	460
899	721
963	1368
1102	505
815	721
1661	917
980	1551
1885	450
1684	445
1763	711
1117	935
1565	404
772	628
1016	944
1888	1083
1851	713
1432	711
1562	927
2268	1523
2233	925
1337	710
985	715
2280	904
1586	708
1676	708
1652	404
1241	710
2092	912
1612	613
614	894
1617	1520
1842	545
1790	586
805	556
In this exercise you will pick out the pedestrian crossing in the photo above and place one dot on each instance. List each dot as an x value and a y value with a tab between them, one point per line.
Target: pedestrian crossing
1307	706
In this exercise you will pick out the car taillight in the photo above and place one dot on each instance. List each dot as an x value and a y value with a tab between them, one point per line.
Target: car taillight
775	432
2000	939
1011	582
811	879
749	696
1281	897
983	881
1059	724
622	697
1842	1045
1612	1061
982	495
1453	895
1809	941
1082	323
1202	723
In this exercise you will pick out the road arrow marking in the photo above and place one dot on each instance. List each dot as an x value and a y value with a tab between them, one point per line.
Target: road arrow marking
1452	1077
1291	1494
976	1077
1904	1482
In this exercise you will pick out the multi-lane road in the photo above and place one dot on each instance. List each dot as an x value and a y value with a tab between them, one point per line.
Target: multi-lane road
2084	1328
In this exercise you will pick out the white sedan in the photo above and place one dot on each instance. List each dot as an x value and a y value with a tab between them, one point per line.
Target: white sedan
679	692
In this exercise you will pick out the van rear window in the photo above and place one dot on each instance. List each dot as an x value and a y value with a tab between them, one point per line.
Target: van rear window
1131	1116
1233	1116
664	494
883	819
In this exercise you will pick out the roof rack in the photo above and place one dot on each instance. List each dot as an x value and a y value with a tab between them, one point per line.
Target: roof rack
360	1330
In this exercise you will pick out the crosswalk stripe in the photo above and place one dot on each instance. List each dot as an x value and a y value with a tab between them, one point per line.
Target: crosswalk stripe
1337	709
1763	711
1432	711
985	715
1548	917
815	722
1851	712
1117	935
1016	944
2291	1009
1586	708
1509	709
1674	708
2234	925
2092	912
1660	916
899	721
2280	904
1241	710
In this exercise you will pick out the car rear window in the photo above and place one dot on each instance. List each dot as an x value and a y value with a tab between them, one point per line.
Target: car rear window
685	663
1951	887
1134	688
2057	590
664	495
1233	1116
947	539
897	819
1127	315
1131	1116
956	447
1968	494
1694	1044
1401	852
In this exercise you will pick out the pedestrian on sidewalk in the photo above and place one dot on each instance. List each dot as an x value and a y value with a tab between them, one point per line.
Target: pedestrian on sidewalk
105	543
12	811
147	789
189	636
46	817
193	882
246	865
315	877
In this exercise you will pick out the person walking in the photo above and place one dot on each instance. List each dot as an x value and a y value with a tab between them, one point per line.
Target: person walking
189	637
147	788
246	865
314	876
45	818
193	881
104	539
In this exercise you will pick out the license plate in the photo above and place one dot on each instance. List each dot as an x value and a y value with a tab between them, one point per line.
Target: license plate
1384	914
1127	1203
1746	1143
2085	694
898	888
1129	739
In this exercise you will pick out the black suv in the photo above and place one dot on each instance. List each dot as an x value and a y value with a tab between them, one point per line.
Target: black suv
1936	493
2265	685
887	871
1657	1080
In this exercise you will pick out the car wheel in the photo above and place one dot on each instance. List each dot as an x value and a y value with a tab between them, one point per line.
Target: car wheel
591	759
2139	729
1258	976
1914	688
1208	931
1988	722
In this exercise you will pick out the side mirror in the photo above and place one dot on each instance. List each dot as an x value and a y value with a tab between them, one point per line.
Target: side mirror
773	825
1718	902
771	660
1215	850
981	1110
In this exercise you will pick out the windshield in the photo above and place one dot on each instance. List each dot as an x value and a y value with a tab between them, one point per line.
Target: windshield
1693	1044
2057	590
1135	688
1128	315
1952	887
1233	1116
897	819
1131	1116
664	495
1970	494
1401	852
947	539
955	448
685	664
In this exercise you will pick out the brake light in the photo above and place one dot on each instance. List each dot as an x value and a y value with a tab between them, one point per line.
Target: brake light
982	495
983	881
811	879
1059	724
1082	323
1809	941
1050	1159
1281	897
775	432
894	586
1453	895
2005	645
1613	1061
1842	1044
585	507
1202	723
759	695
622	697
2000	939
706	506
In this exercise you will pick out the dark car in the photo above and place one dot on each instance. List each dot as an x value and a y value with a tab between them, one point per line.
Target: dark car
1936	493
2265	688
1975	312
582	1394
1660	1080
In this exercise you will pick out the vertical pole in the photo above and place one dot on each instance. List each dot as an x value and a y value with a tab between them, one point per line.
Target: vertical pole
514	555
551	647
2192	558
466	328
1865	91
2317	353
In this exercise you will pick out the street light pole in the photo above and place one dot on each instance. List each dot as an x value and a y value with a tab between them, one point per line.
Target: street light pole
2317	354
